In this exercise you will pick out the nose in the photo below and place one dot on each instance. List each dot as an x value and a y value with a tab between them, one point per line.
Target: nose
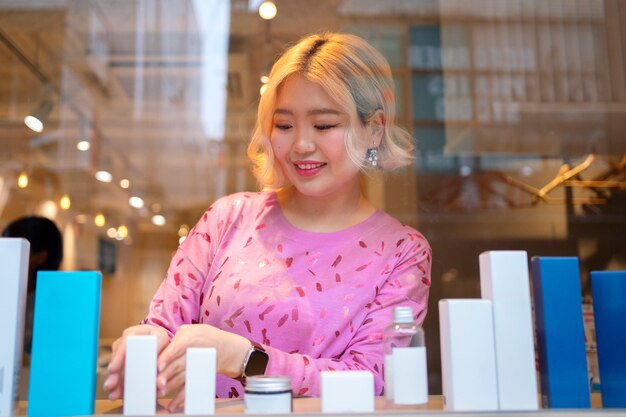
304	143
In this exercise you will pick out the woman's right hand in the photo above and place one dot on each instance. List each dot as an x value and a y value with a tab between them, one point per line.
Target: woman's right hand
114	383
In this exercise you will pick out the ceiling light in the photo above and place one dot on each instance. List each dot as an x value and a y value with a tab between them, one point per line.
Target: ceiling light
263	89
267	10
136	202
265	79
83	145
81	219
99	220
124	183
37	119
22	180
158	220
65	202
48	209
122	231
112	232
104	176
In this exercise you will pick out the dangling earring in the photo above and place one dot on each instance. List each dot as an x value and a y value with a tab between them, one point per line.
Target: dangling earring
371	156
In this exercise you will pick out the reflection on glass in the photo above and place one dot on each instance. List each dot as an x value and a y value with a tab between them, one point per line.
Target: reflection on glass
517	110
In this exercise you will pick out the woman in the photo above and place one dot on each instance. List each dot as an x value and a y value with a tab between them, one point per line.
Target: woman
301	277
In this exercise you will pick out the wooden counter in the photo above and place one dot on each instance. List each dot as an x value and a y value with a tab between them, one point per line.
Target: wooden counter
311	406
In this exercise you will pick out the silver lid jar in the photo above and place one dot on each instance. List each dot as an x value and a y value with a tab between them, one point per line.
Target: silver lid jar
268	395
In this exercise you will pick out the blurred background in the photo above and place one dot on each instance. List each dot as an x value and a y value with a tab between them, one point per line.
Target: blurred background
141	110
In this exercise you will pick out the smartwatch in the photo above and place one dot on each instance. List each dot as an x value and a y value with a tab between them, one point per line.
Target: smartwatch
256	361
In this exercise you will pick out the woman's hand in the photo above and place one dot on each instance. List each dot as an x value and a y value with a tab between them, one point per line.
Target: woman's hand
114	383
231	350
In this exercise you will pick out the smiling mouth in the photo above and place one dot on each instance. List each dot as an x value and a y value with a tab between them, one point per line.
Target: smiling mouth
309	166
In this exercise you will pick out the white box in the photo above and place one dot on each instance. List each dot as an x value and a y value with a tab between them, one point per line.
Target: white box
468	361
410	377
140	376
504	280
14	255
347	391
200	368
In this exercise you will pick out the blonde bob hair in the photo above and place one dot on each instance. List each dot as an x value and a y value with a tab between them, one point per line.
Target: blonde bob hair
357	77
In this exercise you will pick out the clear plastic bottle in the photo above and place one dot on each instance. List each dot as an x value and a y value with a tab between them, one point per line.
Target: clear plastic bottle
402	332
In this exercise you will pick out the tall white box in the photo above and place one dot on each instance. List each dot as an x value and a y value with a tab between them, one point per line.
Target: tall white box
140	376
504	280
14	255
468	361
200	369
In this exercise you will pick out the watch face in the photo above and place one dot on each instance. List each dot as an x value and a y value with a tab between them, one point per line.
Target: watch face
257	363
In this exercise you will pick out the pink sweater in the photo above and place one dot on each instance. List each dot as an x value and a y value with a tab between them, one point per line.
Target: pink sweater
316	301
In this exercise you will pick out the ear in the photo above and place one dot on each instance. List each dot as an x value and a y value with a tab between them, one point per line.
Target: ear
376	125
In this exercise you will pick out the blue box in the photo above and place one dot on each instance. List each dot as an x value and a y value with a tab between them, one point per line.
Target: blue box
65	344
560	332
609	307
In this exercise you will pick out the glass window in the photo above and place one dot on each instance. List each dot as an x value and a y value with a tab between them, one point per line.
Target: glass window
140	113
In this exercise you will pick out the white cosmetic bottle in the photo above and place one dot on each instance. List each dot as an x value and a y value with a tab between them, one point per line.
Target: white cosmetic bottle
406	379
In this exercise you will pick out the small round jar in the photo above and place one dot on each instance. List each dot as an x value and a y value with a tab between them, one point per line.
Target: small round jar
267	395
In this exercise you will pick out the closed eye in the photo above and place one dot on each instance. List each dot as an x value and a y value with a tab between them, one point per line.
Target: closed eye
282	126
325	127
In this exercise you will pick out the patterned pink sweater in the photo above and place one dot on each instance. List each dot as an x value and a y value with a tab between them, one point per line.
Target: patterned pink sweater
316	301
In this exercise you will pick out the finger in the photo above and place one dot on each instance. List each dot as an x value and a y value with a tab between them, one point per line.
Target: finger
172	369
117	355
175	383
111	382
162	341
117	392
171	353
177	402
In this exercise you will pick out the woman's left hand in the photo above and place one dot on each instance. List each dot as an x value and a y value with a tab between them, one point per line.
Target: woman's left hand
231	350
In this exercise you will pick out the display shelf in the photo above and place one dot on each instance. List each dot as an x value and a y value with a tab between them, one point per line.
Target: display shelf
311	407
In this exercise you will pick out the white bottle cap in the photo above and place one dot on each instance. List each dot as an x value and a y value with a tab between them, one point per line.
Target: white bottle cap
403	314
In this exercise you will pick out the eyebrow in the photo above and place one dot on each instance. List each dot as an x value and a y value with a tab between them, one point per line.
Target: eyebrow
313	112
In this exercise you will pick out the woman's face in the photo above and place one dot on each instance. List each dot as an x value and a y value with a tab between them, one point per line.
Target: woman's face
308	137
